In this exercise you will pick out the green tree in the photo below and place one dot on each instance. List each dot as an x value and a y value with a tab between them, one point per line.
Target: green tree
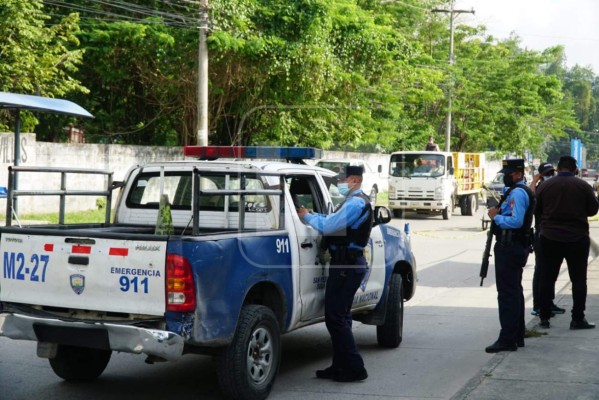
36	58
344	74
324	73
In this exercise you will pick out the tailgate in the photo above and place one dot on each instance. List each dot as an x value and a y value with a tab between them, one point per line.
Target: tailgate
114	275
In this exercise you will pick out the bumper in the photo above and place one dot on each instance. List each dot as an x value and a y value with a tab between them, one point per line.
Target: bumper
128	339
433	205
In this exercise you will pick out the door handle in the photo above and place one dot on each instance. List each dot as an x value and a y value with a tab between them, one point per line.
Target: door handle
306	245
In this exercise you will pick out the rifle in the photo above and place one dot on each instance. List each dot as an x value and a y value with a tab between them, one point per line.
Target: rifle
484	266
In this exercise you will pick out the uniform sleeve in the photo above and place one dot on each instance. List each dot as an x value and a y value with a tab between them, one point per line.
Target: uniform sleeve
343	218
515	205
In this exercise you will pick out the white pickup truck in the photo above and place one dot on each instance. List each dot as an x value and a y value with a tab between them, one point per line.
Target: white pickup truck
237	271
374	181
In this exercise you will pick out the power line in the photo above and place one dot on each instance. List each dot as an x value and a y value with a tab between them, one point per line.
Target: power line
111	10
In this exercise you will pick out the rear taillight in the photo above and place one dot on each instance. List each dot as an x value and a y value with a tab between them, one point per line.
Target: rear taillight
180	290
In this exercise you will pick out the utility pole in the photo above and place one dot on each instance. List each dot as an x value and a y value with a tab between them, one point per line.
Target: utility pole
202	122
452	14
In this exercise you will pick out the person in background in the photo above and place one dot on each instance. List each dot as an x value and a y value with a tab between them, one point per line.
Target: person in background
431	145
346	232
512	222
546	172
564	204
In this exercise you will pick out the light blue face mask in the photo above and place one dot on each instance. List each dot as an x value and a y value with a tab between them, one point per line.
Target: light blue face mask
343	188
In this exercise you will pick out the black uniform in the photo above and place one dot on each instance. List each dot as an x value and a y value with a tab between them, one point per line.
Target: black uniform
512	247
347	270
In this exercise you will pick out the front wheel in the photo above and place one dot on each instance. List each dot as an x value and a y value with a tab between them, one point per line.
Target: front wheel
399	213
73	363
447	211
390	333
248	367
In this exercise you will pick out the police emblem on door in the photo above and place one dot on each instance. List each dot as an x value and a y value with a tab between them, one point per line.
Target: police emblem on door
368	256
77	283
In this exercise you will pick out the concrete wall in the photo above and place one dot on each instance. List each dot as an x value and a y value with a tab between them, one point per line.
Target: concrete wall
115	158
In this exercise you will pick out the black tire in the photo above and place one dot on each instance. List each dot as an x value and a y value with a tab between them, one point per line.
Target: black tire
447	211
470	205
248	367
398	213
73	363
463	200
390	333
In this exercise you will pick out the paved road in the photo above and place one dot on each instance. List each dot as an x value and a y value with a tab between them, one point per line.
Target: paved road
447	325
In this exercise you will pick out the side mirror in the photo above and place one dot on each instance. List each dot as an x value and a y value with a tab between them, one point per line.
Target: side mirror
380	168
382	215
450	170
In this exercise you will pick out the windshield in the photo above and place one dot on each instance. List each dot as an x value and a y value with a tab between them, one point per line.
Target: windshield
339	165
336	166
498	179
417	165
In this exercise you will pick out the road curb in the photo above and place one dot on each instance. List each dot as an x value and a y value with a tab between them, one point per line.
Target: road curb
487	370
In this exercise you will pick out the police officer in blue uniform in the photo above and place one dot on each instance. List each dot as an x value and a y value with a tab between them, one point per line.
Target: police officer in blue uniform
346	232
512	222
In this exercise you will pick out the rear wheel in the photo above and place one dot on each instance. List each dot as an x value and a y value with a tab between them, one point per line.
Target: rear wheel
463	206
390	333
248	367
73	363
470	204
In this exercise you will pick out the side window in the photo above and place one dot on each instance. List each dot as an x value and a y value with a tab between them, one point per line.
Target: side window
304	192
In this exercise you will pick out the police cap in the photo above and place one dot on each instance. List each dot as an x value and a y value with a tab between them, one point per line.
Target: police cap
512	165
351	170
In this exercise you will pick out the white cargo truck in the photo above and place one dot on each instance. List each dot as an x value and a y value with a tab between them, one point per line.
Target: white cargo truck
435	182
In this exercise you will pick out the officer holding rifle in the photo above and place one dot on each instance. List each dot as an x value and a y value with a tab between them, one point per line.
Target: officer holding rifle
512	220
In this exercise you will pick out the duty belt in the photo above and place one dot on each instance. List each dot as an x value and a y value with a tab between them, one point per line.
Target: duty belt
509	237
345	254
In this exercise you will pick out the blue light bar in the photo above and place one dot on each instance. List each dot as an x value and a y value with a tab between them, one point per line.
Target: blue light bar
253	152
288	153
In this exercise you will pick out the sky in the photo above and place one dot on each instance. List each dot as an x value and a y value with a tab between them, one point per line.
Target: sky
541	24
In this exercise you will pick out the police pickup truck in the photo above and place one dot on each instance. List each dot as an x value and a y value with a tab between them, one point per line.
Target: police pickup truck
237	269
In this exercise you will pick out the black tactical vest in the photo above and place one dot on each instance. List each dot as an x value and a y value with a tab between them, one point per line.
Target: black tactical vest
528	216
358	236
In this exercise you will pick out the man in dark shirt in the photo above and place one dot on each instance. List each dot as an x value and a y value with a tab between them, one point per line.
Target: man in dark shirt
564	204
546	172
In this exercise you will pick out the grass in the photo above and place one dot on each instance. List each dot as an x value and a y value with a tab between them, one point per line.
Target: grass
79	217
382	199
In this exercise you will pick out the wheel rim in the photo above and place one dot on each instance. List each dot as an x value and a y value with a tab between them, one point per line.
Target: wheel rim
260	356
